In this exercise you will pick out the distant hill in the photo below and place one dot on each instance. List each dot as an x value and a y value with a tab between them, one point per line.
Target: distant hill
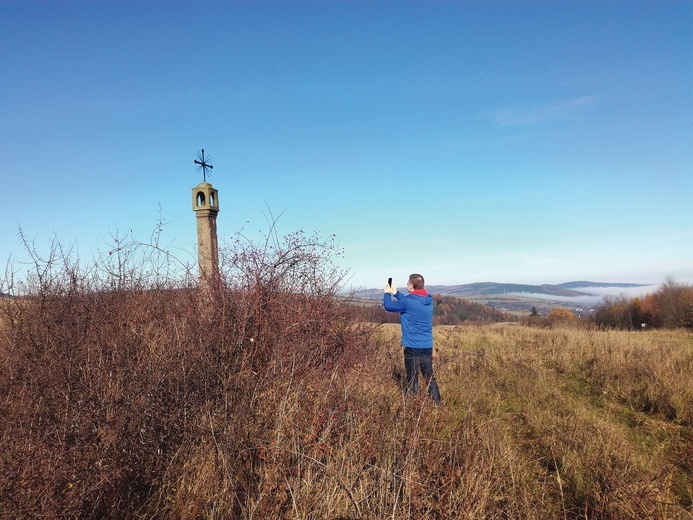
568	289
579	285
486	288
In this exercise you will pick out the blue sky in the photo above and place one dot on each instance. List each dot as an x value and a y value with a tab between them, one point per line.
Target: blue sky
533	142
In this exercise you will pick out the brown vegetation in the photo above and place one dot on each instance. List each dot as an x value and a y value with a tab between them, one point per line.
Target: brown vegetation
671	306
273	400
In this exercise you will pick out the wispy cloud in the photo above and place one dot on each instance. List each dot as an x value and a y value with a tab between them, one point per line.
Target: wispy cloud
521	115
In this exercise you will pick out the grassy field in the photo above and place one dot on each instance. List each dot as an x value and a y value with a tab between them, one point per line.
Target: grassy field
564	423
140	416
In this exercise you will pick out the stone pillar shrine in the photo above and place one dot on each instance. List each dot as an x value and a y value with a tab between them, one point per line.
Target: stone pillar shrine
205	201
206	208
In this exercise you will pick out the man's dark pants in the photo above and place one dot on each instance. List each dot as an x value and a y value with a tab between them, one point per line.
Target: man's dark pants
416	359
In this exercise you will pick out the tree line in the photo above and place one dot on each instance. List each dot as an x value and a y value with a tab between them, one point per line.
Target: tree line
670	307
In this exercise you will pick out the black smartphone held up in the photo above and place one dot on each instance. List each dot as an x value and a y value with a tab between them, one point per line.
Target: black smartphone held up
389	282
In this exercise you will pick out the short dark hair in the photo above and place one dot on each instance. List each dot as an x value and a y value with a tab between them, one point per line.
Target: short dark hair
416	281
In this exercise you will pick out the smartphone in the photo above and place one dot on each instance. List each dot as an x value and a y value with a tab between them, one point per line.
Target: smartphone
389	282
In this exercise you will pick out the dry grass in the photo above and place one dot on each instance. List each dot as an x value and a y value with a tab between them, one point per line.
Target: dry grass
153	404
600	420
535	423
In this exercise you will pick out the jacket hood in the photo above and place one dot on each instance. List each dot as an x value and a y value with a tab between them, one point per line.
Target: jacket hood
426	300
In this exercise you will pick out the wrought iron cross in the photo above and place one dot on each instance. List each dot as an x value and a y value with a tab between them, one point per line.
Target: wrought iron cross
203	164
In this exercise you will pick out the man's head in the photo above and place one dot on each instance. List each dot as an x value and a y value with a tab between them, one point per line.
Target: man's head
416	281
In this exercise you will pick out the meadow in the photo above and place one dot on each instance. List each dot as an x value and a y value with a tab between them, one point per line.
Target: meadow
130	394
535	423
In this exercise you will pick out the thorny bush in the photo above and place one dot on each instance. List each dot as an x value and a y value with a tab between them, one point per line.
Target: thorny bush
112	375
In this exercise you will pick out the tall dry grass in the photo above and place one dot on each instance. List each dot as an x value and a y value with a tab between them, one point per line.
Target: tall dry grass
600	420
273	400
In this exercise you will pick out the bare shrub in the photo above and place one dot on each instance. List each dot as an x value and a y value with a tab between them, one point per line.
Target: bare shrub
560	316
114	373
673	305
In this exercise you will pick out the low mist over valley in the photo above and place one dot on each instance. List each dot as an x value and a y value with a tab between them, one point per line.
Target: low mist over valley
580	296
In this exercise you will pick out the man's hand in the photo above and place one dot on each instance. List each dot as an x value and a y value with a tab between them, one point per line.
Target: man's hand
390	289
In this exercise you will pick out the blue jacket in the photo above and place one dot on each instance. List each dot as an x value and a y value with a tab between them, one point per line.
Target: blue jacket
416	318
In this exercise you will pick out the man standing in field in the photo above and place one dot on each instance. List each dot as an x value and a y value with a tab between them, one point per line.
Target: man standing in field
416	318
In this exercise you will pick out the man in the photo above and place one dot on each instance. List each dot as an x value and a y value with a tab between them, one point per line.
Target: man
416	318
